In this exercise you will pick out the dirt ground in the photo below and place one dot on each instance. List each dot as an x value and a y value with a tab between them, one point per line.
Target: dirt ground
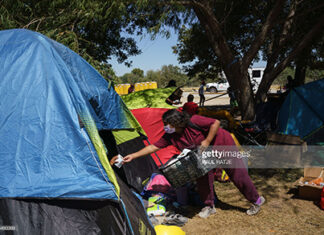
212	99
283	212
222	98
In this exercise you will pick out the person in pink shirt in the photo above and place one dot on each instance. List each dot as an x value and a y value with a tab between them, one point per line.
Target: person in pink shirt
182	132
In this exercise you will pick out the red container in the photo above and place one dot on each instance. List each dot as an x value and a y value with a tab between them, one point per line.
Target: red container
322	199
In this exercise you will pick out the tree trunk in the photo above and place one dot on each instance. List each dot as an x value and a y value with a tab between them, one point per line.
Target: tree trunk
236	76
246	98
266	82
264	87
240	82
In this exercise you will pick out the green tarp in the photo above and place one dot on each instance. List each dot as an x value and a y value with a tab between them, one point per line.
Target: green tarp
153	98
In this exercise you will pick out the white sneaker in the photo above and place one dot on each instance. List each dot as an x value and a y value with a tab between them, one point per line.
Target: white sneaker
255	208
207	211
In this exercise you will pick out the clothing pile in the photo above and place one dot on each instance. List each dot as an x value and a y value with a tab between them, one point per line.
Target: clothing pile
158	197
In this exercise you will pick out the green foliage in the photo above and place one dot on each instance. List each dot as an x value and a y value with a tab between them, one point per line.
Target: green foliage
138	72
152	75
311	75
306	15
282	78
91	28
161	76
103	68
130	78
137	75
171	72
193	46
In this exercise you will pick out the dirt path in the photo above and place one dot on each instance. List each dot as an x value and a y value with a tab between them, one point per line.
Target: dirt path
210	100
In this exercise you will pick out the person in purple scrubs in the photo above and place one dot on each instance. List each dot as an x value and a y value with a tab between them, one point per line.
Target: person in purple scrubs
182	132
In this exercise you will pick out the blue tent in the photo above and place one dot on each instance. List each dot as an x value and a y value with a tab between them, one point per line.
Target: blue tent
302	114
52	105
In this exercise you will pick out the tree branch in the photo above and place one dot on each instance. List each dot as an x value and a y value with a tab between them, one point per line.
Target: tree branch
213	30
307	39
32	22
288	24
258	41
39	23
227	15
284	35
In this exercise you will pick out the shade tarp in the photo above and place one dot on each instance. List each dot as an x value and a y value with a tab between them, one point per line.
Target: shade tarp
151	121
154	98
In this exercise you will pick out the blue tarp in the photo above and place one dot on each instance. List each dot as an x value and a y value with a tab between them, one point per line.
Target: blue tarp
44	152
302	113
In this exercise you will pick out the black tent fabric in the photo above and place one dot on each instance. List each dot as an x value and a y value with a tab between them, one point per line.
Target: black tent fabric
266	114
80	217
138	170
47	216
137	214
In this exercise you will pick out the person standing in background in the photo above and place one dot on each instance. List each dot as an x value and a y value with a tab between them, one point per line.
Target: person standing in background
201	93
290	83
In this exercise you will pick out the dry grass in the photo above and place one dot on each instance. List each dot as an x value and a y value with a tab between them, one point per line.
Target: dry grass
283	212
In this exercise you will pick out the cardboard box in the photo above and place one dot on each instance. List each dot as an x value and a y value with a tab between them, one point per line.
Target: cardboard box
308	191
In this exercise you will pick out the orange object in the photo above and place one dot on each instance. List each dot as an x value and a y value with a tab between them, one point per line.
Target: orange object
317	181
220	114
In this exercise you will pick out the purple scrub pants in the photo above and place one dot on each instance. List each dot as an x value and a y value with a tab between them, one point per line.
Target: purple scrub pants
240	178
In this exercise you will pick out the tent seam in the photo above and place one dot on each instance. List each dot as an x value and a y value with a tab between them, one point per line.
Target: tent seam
98	164
312	132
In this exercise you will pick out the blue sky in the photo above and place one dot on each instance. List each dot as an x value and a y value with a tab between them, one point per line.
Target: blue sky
155	54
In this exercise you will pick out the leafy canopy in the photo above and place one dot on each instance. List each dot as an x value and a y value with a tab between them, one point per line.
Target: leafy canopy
93	28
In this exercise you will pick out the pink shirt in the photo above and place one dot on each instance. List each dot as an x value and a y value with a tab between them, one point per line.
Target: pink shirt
191	138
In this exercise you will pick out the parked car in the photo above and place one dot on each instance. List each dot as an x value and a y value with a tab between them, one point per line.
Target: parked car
217	86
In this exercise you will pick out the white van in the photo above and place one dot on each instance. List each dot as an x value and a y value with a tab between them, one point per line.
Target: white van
255	74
